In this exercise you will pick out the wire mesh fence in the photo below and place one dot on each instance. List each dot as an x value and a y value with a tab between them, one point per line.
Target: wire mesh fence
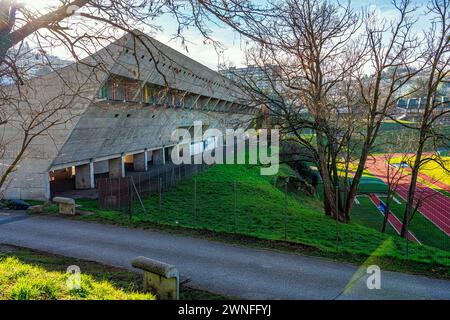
179	197
120	193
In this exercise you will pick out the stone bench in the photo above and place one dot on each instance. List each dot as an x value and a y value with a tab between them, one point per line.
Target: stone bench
159	277
66	205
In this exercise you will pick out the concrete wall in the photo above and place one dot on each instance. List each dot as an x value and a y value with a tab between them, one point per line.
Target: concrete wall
114	128
103	130
101	167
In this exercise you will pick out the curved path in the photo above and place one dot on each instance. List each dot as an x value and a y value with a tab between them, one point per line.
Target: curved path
232	270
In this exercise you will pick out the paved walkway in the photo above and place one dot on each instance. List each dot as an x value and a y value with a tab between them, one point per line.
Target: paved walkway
223	268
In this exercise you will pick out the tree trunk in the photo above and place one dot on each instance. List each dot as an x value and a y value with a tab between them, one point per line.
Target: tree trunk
412	189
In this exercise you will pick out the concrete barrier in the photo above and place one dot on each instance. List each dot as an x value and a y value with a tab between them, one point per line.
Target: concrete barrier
66	205
159	277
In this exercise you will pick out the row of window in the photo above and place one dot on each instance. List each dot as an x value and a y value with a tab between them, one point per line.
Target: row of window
123	89
118	88
419	103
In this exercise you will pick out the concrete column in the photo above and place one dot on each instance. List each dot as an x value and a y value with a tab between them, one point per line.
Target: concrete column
83	176
117	167
140	161
91	174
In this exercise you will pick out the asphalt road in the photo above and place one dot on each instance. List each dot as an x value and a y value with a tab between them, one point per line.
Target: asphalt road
222	268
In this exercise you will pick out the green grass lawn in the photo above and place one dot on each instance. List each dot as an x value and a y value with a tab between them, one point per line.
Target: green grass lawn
30	274
25	275
367	214
387	140
263	211
425	230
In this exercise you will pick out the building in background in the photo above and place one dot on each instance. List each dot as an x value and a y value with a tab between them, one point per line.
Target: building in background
121	116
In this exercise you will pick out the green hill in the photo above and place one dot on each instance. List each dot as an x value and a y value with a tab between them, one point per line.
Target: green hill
263	211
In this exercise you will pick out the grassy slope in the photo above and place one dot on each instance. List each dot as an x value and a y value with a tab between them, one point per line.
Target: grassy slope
121	279
425	230
27	276
261	213
367	214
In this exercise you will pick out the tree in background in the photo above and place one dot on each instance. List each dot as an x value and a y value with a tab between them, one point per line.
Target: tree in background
330	77
395	163
301	59
79	28
436	65
391	56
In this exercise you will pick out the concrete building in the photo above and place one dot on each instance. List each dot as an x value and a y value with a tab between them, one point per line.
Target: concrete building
129	98
413	108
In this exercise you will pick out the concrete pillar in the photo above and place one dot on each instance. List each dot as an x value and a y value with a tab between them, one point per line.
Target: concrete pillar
117	167
91	174
83	176
140	161
158	157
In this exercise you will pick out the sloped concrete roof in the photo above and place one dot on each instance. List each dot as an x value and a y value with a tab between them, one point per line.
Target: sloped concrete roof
110	128
149	60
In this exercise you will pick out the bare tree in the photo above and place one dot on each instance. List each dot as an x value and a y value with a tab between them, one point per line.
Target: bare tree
304	59
394	163
436	66
79	27
390	50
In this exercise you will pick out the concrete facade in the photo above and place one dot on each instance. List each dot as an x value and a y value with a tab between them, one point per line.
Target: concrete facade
99	131
140	161
83	175
117	167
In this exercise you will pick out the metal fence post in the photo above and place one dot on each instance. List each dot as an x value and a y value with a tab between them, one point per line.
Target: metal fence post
119	196
160	199
139	182
285	208
337	218
194	216
130	197
234	204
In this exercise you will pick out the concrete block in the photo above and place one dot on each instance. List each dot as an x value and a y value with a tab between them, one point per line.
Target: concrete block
159	277
66	205
35	209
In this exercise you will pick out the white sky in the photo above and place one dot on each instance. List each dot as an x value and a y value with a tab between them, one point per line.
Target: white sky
233	44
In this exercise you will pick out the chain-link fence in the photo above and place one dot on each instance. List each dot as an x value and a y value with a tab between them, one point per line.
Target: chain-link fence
222	201
120	193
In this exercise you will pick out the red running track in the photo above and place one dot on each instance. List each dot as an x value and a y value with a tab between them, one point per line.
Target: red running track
441	185
435	206
393	220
